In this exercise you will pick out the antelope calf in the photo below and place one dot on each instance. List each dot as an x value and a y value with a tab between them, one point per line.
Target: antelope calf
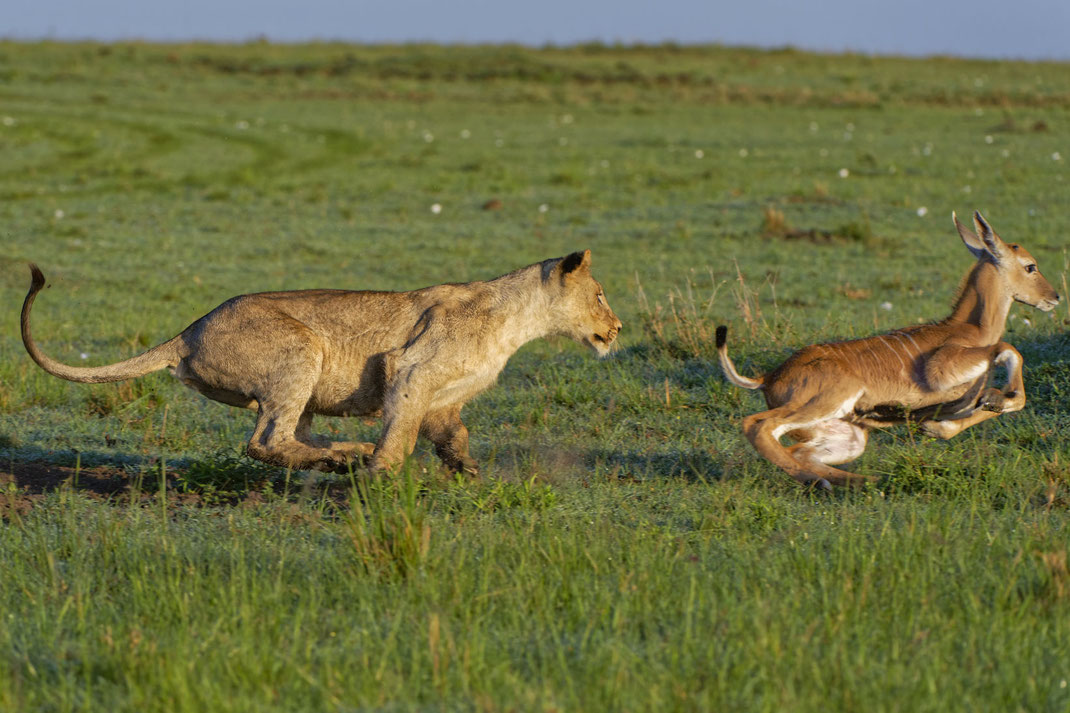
827	397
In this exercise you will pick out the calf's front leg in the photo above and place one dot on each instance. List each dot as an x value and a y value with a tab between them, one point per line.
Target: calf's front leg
992	402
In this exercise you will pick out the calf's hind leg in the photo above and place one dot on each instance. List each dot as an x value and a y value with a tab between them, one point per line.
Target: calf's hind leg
831	443
764	430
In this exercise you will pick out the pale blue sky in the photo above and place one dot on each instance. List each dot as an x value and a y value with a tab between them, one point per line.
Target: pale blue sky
1033	29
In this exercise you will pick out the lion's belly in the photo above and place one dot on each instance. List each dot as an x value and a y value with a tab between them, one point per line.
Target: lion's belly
463	388
339	396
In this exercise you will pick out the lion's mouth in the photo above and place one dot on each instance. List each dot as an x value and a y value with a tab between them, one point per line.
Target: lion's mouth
604	341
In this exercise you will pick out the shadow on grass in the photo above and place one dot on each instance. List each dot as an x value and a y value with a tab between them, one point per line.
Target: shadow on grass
693	465
220	478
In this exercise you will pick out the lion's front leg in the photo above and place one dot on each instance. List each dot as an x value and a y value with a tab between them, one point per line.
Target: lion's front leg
403	412
445	429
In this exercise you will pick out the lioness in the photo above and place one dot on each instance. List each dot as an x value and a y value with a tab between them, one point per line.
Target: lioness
414	357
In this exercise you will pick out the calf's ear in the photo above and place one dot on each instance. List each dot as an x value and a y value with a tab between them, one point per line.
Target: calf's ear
973	242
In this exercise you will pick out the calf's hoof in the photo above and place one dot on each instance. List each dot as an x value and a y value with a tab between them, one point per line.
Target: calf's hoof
991	400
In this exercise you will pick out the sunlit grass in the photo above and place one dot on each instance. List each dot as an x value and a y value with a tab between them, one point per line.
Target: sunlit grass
626	549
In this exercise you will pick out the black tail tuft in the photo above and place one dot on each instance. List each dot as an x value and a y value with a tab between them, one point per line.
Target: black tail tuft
722	336
37	278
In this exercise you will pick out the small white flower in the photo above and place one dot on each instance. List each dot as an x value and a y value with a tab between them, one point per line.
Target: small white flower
543	207
922	211
886	306
843	173
978	112
928	150
743	153
59	213
989	139
241	125
813	127
566	119
1056	156
466	134
499	142
1005	153
428	136
699	153
850	126
892	168
1025	321
1062	683
604	163
563	141
84	355
967	189
8	121
436	208
285	128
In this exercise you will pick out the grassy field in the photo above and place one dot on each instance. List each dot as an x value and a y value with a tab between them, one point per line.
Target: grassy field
625	549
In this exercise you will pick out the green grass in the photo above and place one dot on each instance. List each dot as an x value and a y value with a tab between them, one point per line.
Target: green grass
626	549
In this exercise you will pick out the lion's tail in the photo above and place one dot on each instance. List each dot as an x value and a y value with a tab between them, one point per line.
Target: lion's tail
729	368
159	357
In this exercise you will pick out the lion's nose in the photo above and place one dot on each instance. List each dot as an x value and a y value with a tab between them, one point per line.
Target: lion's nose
620	325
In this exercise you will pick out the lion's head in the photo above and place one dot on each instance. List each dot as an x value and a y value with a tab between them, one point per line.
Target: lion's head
583	311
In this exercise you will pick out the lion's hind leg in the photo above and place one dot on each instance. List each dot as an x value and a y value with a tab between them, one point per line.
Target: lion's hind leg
354	450
274	441
281	435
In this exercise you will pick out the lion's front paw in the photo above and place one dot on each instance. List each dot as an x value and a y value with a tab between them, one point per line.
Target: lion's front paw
465	466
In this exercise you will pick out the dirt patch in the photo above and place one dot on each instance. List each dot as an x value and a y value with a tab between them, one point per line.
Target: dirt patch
775	225
23	484
40	478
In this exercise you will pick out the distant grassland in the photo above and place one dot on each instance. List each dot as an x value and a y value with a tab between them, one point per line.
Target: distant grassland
626	550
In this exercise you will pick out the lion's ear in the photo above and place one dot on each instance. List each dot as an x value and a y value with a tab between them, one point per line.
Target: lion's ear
576	261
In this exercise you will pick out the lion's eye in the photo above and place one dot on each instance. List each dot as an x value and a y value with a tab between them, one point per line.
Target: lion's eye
1030	268
601	298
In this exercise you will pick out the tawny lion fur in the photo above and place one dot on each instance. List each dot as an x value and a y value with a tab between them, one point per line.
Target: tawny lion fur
415	358
827	397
